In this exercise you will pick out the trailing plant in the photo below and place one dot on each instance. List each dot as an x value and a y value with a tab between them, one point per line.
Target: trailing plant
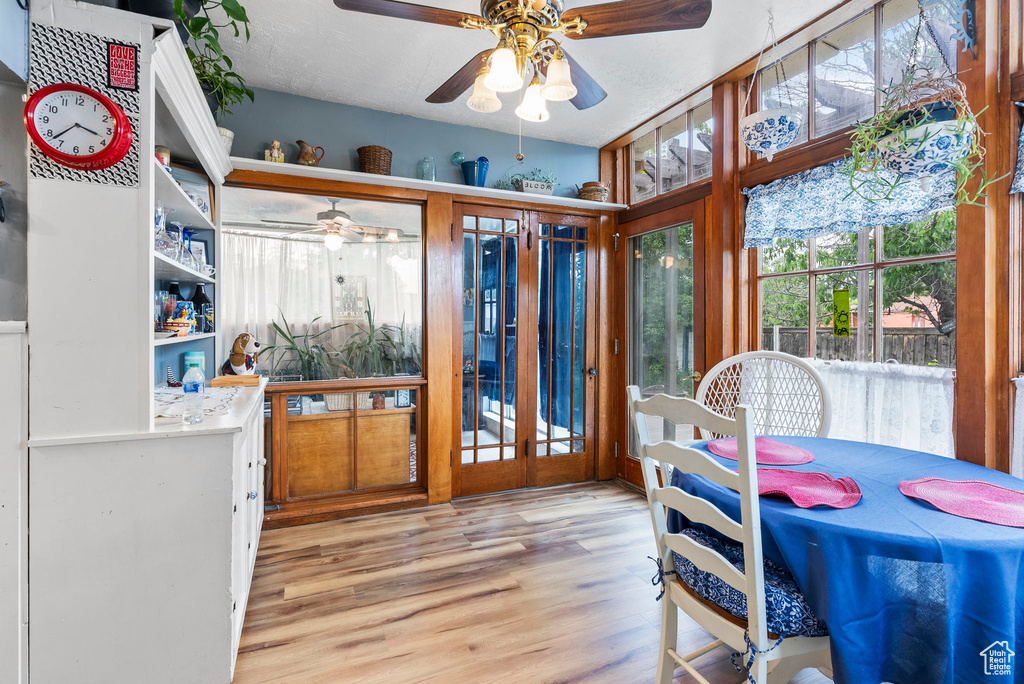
511	181
315	360
213	68
372	350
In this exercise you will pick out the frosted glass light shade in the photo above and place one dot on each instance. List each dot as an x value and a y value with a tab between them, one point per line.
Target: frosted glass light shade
333	241
369	238
504	75
559	86
483	98
534	107
392	236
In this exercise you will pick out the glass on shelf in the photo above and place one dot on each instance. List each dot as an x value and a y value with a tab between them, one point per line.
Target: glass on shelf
164	242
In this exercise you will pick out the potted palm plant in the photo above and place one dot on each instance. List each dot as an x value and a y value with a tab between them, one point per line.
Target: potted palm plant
372	351
213	68
314	360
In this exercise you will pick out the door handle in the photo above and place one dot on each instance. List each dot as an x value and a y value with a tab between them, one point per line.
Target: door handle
696	377
527	447
592	372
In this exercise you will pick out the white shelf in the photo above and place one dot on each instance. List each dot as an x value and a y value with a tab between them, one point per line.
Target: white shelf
165	268
169	193
187	338
242	164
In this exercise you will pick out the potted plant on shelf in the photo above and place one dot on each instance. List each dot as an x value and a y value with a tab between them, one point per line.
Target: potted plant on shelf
536	182
313	360
222	85
372	351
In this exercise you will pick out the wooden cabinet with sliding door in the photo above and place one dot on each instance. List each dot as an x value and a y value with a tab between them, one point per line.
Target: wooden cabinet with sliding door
525	312
663	265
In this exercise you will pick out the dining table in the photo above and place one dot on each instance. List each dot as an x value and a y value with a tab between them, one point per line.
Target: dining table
910	594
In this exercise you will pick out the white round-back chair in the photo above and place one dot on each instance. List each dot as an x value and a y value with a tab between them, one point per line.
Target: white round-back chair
786	395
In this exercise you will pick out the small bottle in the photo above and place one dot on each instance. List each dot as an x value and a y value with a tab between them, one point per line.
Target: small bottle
194	386
201	299
427	169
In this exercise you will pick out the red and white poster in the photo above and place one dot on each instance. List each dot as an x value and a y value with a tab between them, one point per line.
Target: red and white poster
122	66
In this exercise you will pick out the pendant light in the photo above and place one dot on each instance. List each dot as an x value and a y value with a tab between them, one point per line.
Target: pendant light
333	241
483	98
559	86
504	76
533	107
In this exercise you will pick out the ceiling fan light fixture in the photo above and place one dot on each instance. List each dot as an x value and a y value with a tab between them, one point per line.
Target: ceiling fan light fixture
369	238
559	86
333	241
392	236
504	75
483	98
533	107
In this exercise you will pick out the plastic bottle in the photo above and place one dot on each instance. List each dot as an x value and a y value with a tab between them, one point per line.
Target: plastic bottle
194	386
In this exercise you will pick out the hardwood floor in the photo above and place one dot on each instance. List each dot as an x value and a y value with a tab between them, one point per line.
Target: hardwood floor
530	587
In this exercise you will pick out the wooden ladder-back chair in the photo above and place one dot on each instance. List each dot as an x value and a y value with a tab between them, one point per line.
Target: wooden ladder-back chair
784	394
774	664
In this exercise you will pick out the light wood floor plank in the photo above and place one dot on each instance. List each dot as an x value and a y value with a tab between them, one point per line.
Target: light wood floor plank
543	586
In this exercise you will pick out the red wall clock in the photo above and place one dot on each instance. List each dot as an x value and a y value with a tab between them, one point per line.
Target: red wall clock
77	126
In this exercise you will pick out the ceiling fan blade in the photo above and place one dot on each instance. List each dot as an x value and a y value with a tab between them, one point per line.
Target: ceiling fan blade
460	81
300	232
628	17
406	10
290	223
588	92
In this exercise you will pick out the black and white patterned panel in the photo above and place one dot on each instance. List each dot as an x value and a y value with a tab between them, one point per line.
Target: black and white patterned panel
58	55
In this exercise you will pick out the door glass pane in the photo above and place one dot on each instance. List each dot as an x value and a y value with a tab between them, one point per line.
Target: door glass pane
703	132
919	314
844	76
661	356
785	314
644	167
489	321
784	84
675	144
562	313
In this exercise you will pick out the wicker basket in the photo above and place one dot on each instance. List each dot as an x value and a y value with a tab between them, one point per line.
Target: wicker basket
375	159
594	194
343	401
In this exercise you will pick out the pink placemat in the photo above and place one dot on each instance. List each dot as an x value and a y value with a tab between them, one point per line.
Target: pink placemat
769	451
808	489
972	499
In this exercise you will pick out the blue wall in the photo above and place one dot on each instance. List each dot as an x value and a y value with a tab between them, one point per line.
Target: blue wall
13	42
341	129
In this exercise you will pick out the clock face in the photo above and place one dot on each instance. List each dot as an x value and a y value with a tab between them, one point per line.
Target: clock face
77	126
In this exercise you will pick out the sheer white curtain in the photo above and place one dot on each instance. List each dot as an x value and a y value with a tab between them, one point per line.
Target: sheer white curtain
910	407
1017	455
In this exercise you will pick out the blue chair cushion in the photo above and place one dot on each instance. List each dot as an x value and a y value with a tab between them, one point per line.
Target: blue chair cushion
788	612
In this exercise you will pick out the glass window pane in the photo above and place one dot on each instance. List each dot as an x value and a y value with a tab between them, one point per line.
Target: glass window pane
784	84
510	329
785	256
661	311
934	236
489	366
579	317
491	225
675	144
511	226
844	249
919	316
899	26
858	342
644	170
469	223
543	332
469	271
844	76
784	314
703	131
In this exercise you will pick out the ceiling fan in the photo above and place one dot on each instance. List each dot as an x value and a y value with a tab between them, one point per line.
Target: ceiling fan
526	49
337	227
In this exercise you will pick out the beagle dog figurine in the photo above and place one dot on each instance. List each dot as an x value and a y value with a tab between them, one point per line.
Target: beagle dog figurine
243	357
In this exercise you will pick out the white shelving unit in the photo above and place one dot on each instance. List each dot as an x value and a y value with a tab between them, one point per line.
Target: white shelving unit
187	338
166	268
174	199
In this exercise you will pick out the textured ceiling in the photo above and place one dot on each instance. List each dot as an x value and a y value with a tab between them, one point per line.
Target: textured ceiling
312	48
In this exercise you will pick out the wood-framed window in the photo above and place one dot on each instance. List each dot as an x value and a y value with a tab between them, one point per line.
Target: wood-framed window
901	282
674	155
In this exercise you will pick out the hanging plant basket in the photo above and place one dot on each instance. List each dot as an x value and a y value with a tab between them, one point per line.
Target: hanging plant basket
771	130
926	150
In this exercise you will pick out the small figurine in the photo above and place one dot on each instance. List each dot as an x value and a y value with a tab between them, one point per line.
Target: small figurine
171	380
243	357
275	153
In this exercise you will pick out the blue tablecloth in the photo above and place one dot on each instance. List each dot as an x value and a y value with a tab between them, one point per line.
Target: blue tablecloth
911	595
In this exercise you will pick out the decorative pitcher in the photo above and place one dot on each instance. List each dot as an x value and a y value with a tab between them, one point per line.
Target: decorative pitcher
307	154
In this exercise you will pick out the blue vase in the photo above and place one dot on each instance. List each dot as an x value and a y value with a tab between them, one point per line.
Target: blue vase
482	164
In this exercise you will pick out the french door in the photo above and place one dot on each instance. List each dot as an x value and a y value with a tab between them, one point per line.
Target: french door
527	352
664	268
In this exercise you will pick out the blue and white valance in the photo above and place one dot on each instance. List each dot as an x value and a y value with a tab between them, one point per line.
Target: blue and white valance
1018	176
820	202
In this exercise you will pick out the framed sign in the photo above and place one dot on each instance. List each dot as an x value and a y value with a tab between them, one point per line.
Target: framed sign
122	66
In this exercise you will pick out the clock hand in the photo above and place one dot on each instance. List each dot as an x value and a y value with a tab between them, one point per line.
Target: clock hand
85	129
64	131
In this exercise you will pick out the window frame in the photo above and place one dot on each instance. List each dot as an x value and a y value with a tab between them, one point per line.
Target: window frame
690	136
876	267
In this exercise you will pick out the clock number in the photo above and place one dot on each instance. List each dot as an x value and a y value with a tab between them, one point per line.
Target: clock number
44	119
53	109
64	101
75	150
60	144
103	142
92	148
80	101
49	132
110	131
106	118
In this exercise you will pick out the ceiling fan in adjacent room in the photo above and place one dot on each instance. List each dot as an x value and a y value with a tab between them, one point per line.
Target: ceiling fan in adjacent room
337	227
526	51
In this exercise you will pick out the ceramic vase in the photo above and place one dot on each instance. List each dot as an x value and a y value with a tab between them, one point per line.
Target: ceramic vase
771	130
925	151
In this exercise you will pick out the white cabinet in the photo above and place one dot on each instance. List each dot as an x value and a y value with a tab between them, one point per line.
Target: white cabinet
142	551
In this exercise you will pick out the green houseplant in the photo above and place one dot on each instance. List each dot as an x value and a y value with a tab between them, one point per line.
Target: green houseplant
536	181
214	70
313	360
373	351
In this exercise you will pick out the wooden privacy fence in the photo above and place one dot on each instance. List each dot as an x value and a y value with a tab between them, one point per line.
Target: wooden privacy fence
911	346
